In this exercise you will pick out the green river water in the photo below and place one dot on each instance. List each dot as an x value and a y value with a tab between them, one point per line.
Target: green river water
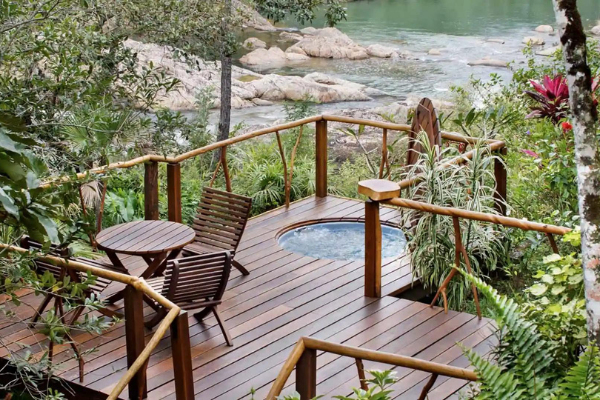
459	28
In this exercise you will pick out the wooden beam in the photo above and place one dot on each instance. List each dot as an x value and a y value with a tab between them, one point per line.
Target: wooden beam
134	339
174	192
372	249
182	357
500	174
151	190
306	375
321	158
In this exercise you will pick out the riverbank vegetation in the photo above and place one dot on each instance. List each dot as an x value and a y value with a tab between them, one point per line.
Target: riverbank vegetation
72	97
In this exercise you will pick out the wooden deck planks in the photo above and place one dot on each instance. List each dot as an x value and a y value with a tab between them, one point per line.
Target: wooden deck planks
287	296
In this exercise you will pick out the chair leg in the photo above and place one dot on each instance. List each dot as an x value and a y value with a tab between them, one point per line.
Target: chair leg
222	326
160	314
240	267
76	315
200	315
40	310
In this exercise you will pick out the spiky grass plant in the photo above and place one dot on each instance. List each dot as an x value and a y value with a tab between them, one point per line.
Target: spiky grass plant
469	186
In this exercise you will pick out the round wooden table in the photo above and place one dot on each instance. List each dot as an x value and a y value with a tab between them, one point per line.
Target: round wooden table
155	241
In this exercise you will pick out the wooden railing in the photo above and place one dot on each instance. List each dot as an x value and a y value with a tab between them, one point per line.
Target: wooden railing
173	163
387	193
303	358
138	352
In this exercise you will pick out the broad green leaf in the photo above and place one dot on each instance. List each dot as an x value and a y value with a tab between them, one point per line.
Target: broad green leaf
557	289
9	204
538	289
552	258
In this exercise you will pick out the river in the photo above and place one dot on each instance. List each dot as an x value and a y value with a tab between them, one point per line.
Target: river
458	28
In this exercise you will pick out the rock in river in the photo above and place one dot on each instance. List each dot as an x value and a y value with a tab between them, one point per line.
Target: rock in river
377	50
489	62
329	43
533	40
274	57
544	29
254	43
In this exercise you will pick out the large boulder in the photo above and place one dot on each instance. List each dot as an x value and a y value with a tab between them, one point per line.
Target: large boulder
377	50
544	29
254	43
276	88
272	58
533	40
596	30
290	37
194	74
488	62
329	43
251	18
309	30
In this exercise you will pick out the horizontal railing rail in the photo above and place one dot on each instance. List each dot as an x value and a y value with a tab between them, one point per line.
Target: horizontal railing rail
303	359
138	352
382	192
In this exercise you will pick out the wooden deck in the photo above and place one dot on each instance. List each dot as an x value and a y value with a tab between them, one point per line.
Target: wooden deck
285	297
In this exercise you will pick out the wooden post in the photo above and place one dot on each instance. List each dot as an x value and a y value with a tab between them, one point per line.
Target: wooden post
306	374
372	249
376	190
134	339
321	158
151	190
501	176
174	191
182	357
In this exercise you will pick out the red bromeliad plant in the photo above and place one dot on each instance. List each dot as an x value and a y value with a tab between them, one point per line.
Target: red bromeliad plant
553	97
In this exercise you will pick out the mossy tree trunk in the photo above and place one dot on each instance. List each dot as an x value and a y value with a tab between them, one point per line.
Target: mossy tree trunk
226	66
587	156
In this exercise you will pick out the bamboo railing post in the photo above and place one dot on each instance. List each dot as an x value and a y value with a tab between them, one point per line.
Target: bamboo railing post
553	245
151	190
225	169
134	339
376	190
306	375
500	174
182	357
321	158
174	191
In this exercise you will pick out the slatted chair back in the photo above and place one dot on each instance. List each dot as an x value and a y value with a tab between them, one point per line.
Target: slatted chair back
202	279
221	219
43	266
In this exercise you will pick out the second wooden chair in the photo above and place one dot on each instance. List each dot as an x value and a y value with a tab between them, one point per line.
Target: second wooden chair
195	282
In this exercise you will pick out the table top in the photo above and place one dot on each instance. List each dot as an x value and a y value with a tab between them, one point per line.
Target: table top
145	237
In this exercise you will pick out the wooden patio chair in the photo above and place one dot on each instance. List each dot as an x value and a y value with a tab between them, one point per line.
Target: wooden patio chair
194	282
59	273
220	223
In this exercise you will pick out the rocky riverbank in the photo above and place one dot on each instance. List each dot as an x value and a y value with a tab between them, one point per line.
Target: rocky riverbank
248	88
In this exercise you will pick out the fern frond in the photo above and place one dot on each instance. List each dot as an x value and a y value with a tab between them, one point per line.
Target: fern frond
494	382
583	379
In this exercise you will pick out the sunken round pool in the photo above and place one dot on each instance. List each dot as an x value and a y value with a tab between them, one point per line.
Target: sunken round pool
340	240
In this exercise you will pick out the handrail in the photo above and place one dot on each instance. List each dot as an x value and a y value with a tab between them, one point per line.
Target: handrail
308	343
281	127
478	216
140	285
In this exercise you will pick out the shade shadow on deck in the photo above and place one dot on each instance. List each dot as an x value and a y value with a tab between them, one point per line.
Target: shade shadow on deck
287	296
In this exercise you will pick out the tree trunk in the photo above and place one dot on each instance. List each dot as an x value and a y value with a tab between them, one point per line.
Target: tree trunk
226	62
587	157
